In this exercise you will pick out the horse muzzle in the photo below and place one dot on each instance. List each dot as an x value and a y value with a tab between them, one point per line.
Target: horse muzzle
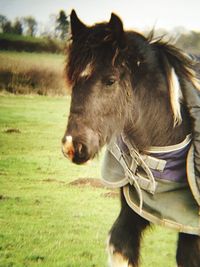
78	149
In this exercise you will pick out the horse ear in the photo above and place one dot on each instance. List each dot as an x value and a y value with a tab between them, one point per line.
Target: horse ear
77	26
116	26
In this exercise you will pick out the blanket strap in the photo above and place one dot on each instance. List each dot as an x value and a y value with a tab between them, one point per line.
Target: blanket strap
131	170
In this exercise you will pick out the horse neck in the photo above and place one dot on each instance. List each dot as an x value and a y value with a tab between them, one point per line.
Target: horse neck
151	122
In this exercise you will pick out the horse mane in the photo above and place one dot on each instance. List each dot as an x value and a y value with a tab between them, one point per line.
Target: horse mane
99	36
178	66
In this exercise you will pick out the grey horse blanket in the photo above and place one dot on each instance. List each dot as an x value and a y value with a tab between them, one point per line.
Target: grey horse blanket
174	200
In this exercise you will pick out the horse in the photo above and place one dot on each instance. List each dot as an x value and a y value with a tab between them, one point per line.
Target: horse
125	86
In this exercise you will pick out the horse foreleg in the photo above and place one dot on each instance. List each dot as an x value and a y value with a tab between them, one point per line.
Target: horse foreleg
188	251
124	237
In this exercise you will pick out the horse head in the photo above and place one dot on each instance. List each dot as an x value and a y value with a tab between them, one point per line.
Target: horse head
120	81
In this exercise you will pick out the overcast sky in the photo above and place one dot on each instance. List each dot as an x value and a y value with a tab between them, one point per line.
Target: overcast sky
136	14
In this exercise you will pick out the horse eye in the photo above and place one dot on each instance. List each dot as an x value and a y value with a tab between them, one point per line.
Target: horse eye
110	81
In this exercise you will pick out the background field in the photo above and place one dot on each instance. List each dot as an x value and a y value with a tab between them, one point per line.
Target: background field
32	73
44	220
16	42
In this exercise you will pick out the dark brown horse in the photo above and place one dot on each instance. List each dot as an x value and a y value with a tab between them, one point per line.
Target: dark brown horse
123	82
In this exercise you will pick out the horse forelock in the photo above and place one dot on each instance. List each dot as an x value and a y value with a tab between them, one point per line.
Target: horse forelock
96	48
79	63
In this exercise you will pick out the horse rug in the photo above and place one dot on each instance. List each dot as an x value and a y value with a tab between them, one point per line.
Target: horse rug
159	185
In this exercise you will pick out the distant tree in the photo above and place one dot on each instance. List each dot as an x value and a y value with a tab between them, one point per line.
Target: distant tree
62	25
190	42
30	24
3	22
3	19
17	27
48	29
7	27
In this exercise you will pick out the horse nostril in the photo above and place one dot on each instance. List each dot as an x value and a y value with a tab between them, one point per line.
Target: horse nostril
76	151
81	151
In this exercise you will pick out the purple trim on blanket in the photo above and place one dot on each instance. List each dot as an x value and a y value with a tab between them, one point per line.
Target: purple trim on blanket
175	168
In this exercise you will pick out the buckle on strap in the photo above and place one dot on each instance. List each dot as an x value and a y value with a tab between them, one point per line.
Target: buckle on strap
149	184
138	181
154	163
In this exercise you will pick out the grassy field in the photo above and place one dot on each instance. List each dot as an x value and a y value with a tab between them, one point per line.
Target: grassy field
15	42
44	220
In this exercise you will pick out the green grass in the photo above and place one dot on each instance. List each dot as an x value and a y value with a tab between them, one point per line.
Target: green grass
45	221
15	42
17	37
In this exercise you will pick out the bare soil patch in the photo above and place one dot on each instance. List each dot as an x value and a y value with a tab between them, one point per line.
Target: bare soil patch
84	182
12	130
93	182
50	180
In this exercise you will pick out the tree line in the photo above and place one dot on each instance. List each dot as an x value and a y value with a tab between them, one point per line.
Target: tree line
28	26
58	28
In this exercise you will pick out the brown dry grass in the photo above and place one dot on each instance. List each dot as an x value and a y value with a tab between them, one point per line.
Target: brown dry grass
25	73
